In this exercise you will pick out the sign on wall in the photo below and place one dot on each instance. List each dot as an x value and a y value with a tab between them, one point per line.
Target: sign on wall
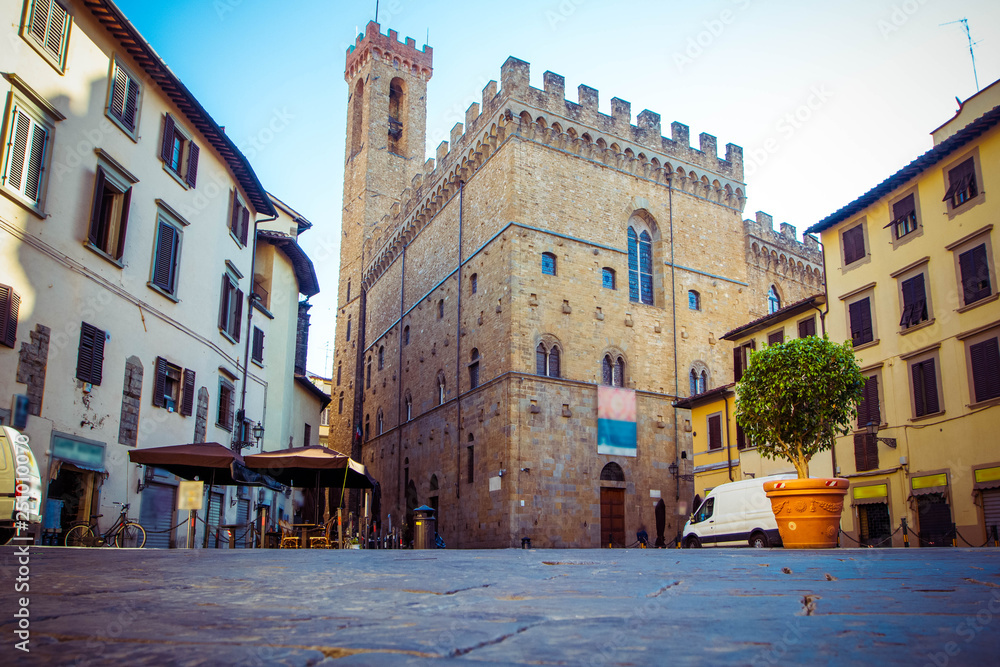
616	425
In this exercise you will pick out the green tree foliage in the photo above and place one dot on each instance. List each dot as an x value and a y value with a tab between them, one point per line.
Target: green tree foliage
797	397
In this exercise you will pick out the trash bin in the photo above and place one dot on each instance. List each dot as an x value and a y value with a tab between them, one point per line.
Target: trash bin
424	527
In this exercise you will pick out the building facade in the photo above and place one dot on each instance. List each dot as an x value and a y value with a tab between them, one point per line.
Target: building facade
912	281
517	314
128	250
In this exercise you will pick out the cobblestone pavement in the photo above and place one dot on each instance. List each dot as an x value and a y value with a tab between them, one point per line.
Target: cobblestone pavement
535	607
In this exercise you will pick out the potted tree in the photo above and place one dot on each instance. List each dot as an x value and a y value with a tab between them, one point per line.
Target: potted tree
792	402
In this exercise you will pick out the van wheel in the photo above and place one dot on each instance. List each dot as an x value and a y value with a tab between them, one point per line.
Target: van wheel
692	542
758	540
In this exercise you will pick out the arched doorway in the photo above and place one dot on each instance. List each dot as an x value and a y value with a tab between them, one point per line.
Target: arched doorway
612	506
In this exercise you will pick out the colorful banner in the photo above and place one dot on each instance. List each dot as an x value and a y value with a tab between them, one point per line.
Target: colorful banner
616	430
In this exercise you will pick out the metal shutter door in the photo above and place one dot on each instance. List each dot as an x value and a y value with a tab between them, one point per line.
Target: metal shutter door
214	516
157	515
243	519
991	509
934	515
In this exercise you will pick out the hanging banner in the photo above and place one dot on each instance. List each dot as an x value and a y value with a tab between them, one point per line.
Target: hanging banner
616	425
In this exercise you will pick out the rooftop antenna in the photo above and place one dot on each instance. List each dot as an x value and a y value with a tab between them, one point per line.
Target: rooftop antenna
965	24
376	12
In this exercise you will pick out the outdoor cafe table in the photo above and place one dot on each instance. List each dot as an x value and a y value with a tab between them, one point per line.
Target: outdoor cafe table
304	529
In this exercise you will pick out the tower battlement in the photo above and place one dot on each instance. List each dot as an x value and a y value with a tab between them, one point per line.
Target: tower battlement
372	43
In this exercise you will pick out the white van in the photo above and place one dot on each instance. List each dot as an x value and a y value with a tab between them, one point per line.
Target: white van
20	483
734	514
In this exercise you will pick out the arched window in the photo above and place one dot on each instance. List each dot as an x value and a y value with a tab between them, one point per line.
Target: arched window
441	388
547	360
378	422
368	374
441	309
381	357
613	371
608	278
694	382
640	266
409	406
397	109
612	472
541	357
703	382
406	335
694	300
773	300
473	282
548	264
554	362
474	369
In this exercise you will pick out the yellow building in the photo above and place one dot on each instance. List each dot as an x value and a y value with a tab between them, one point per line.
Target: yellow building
911	279
721	453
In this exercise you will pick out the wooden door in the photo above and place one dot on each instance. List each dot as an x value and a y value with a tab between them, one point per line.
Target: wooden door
613	517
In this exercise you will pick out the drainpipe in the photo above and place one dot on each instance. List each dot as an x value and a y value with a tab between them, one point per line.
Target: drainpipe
729	451
822	321
673	314
400	406
252	298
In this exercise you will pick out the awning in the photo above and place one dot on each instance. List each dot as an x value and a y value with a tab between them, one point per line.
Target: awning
83	455
870	495
986	478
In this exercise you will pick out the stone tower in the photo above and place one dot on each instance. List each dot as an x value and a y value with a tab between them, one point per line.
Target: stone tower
386	125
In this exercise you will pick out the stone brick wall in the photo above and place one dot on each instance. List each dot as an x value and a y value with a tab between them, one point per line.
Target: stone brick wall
31	365
128	427
201	416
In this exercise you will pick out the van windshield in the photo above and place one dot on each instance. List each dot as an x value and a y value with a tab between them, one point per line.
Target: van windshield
705	511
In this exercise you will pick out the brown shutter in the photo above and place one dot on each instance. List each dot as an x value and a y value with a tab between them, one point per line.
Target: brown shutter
244	225
776	338
167	147
903	209
861	321
10	303
862	453
85	352
854	244
737	363
224	297
925	394
715	432
118	90
97	362
741	438
234	218
238	320
160	382
126	202
163	271
807	327
958	179
985	358
192	170
95	214
975	274
187	401
868	409
131	102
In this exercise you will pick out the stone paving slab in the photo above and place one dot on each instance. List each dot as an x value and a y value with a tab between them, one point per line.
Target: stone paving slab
533	607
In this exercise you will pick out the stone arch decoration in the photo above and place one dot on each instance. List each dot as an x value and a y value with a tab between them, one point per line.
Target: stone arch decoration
612	472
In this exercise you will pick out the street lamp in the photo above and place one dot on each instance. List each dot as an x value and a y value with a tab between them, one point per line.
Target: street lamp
256	432
872	429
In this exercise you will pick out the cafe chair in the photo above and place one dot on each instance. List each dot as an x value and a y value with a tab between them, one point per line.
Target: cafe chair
289	540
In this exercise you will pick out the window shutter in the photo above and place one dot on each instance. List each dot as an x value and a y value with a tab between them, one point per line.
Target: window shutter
163	271
36	160
187	401
903	208
56	30
238	319
807	327
10	303
861	451
131	102
234	219
715	432
17	150
737	363
868	409
741	438
126	201
95	215
85	352
776	337
224	297
97	363
861	321
192	166
975	274
39	19
958	179
167	148
244	225
119	91
985	358
231	408
854	244
160	383
925	394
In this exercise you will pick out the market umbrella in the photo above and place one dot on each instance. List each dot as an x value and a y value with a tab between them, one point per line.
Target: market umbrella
208	461
312	467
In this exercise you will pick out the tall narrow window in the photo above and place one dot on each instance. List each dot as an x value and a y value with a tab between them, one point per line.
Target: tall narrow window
441	309
474	369
178	152
914	301
441	389
231	307
861	322
640	266
166	257
703	382
868	408
925	391
348	289
368	374
109	216
607	370
340	404
257	351
694	300
548	264
554	362
379	424
773	300
348	328
408	401
619	377
339	369
381	357
473	282
715	432
984	358
904	216
541	360
693	381
239	219
227	405
397	109
613	371
406	335
470	462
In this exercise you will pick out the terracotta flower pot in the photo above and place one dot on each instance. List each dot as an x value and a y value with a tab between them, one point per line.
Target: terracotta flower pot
807	511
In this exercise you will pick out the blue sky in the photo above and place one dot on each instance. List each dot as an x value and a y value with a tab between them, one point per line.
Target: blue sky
826	99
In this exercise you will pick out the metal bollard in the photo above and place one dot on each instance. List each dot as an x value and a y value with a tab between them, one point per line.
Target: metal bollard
906	534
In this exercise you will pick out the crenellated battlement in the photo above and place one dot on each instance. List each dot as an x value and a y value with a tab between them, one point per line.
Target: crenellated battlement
546	117
781	251
372	43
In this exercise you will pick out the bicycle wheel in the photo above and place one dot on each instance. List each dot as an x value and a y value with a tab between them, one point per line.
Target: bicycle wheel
130	536
79	536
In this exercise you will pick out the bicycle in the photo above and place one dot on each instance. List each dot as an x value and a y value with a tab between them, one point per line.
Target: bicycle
126	534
